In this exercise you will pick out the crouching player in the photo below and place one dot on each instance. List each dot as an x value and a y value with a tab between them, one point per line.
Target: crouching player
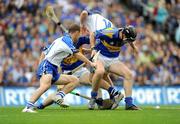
70	63
48	69
94	22
109	41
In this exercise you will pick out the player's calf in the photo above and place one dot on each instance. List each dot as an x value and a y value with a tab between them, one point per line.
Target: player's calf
70	83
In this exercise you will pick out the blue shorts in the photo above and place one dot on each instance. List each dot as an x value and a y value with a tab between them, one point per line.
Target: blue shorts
46	67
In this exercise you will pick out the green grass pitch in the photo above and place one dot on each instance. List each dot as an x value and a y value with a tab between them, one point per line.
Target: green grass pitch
80	115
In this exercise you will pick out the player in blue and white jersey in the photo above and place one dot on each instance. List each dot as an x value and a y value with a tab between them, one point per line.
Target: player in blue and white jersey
93	21
109	42
82	73
48	69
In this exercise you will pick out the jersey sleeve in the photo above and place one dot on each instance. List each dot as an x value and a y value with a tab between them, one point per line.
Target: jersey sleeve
98	35
45	49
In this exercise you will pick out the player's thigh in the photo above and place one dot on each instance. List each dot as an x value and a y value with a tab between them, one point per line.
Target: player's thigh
59	87
65	79
45	80
100	66
84	79
120	69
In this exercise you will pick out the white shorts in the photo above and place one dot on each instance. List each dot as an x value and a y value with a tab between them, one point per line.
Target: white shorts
107	62
79	73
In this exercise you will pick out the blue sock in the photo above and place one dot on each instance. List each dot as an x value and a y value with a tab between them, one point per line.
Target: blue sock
30	104
41	106
112	92
93	94
61	93
128	101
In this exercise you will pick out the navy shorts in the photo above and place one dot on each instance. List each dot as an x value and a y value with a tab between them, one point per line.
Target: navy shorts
46	67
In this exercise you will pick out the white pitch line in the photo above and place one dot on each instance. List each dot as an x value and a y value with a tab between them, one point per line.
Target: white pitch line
165	108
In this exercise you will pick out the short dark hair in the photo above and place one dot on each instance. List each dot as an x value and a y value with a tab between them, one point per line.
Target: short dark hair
73	28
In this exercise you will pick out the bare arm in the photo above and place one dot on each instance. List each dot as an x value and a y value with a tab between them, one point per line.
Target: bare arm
81	57
92	39
134	48
86	50
41	57
92	44
83	17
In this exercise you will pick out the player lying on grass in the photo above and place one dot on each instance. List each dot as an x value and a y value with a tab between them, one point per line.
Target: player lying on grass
70	63
109	46
48	69
109	41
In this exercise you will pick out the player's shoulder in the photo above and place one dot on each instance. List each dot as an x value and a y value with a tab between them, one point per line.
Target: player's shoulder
82	40
107	30
91	12
110	30
68	41
65	38
58	39
46	47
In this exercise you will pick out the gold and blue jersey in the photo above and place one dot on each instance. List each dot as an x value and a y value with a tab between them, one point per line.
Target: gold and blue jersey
108	42
72	62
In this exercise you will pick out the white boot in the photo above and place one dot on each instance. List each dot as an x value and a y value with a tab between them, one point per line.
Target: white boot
117	99
92	104
29	110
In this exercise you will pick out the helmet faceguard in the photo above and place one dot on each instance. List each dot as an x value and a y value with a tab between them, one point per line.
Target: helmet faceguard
130	33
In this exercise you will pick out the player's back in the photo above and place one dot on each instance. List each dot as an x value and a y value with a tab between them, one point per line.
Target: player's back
108	42
59	50
72	62
96	22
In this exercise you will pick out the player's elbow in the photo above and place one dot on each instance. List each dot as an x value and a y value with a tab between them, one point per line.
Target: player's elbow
84	13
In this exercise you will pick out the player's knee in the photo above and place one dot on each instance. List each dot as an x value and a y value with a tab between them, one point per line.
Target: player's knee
100	72
129	75
75	81
45	85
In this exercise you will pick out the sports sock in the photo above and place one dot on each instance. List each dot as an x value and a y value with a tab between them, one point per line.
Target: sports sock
30	105
112	92
61	93
40	106
93	94
128	101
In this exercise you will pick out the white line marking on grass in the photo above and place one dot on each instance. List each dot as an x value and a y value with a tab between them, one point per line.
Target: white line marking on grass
164	108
